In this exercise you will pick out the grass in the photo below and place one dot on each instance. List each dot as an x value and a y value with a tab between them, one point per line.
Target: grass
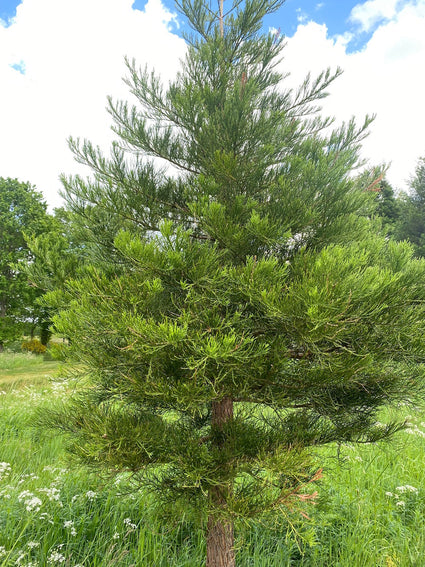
370	511
19	370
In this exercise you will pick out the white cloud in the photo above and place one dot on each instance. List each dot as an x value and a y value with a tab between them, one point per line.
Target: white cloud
384	78
302	16
73	52
371	12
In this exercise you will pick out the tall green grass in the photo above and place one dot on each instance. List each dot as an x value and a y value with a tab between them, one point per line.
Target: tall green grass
370	510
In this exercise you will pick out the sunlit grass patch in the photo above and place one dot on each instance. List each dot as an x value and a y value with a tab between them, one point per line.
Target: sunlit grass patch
19	370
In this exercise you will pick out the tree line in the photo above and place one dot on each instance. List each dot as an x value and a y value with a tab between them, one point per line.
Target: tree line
235	297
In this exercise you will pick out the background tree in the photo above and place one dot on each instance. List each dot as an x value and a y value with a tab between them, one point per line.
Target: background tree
73	243
412	216
387	204
388	208
249	311
22	211
51	264
57	255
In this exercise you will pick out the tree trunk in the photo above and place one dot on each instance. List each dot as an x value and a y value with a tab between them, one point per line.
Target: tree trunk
45	332
220	536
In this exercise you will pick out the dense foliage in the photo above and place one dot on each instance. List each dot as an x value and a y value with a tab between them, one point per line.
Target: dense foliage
411	225
248	310
22	214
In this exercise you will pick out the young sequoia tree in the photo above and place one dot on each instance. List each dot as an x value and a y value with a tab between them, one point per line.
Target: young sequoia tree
247	311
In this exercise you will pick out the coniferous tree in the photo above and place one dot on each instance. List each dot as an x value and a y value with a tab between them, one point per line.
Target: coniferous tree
388	208
411	225
248	311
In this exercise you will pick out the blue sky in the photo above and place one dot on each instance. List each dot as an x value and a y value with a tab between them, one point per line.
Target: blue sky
60	59
334	13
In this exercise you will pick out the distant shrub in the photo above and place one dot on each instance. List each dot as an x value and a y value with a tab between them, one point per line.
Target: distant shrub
34	346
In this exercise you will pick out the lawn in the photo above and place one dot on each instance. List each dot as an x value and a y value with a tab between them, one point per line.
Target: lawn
370	510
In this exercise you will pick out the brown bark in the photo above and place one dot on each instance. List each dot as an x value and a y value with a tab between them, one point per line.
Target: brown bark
220	535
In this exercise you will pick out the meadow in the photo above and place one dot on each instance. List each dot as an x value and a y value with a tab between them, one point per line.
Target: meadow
370	509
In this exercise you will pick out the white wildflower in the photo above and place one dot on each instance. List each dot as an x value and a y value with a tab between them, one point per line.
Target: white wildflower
52	493
25	494
5	469
45	516
2	551
56	557
401	503
69	525
33	504
91	495
389	494
129	524
20	558
33	544
116	536
407	488
415	431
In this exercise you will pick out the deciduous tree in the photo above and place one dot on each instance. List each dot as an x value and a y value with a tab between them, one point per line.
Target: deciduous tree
22	212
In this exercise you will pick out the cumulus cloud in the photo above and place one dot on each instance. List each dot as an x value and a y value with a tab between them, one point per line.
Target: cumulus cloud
369	13
384	78
58	62
59	59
